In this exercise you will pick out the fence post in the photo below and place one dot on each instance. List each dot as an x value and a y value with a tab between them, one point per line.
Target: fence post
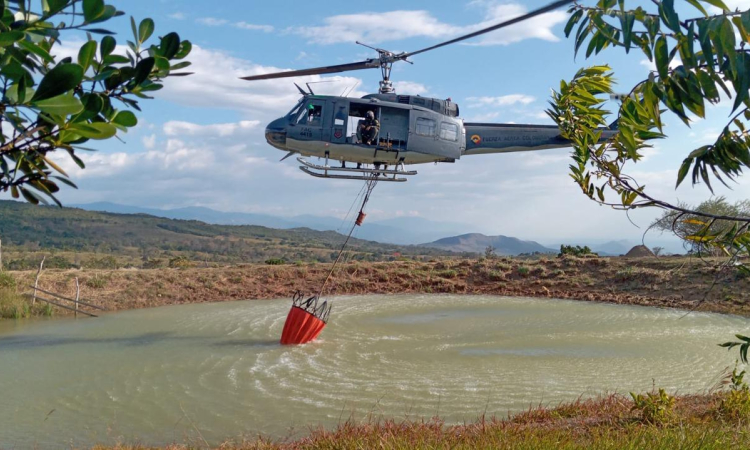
36	282
78	296
1	255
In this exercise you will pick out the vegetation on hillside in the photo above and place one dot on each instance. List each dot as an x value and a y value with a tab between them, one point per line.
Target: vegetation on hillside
107	241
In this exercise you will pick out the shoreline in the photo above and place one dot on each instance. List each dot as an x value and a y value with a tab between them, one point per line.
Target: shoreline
676	283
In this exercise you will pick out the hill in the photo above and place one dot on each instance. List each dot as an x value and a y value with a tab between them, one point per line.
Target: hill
477	243
400	230
27	228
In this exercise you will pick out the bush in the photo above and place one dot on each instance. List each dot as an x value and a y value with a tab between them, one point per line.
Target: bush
180	262
153	263
655	408
447	274
7	281
735	406
576	250
96	282
523	271
106	262
12	305
496	276
275	261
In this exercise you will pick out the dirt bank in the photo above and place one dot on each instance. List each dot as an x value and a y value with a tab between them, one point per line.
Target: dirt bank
664	282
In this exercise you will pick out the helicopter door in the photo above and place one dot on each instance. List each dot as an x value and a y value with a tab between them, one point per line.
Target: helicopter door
308	124
340	119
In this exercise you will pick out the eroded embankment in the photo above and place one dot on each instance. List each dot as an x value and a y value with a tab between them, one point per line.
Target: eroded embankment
664	282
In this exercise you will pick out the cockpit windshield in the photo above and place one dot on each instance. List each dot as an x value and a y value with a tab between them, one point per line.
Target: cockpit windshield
293	111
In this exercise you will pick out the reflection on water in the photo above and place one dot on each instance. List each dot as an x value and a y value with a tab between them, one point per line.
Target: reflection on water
150	375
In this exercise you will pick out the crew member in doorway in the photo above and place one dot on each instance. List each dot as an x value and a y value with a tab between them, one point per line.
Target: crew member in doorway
369	128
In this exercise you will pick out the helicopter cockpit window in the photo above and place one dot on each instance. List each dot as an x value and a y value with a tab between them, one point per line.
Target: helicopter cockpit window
293	112
448	131
425	127
310	115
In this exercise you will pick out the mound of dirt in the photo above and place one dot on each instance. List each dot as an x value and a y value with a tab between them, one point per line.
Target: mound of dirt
639	251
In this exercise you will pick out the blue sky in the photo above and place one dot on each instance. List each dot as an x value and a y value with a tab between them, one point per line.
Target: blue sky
200	142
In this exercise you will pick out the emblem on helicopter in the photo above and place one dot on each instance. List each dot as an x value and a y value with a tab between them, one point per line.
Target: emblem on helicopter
338	133
476	139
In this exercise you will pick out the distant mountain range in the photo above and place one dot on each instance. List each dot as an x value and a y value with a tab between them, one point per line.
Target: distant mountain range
477	243
399	230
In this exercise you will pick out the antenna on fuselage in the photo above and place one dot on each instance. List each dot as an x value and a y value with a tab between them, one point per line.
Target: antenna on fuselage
301	91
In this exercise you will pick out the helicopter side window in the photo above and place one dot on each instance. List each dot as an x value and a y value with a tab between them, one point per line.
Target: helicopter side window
448	131
311	115
425	127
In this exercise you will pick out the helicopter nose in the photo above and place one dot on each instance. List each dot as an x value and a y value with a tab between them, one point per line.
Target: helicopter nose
276	134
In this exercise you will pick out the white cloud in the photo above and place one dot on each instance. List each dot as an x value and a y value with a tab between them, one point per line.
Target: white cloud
177	16
149	142
503	100
211	21
179	128
251	26
376	27
216	83
410	88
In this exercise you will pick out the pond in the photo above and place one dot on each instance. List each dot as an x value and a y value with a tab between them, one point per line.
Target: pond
216	371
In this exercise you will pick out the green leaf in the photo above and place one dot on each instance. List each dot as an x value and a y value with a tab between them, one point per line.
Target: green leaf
86	54
169	45
92	9
669	15
575	17
107	47
185	48
126	119
143	70
96	130
37	50
145	30
662	57
62	105
133	28
55	6
717	3
10	37
684	169
698	6
59	80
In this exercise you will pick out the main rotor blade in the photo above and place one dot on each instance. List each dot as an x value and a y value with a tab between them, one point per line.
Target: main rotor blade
536	12
368	64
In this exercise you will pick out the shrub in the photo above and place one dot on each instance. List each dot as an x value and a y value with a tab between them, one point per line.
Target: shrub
576	250
447	274
656	408
96	282
180	262
556	273
735	406
275	261
496	276
625	274
106	262
7	281
523	271
12	305
153	263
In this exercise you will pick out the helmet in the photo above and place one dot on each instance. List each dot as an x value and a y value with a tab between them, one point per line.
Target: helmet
370	115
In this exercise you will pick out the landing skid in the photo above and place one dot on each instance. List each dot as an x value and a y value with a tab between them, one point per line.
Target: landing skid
354	173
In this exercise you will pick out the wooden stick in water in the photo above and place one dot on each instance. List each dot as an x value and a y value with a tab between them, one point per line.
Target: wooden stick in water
70	299
60	305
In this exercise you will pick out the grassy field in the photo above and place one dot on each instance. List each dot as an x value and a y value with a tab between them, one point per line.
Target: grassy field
663	282
692	422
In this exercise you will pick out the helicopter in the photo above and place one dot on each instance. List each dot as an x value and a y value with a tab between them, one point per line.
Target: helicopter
413	129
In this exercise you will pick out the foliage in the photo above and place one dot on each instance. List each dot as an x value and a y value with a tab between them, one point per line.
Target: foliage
97	282
7	281
489	252
656	408
692	229
657	251
180	262
743	344
12	305
699	60
52	103
735	405
576	250
275	261
523	271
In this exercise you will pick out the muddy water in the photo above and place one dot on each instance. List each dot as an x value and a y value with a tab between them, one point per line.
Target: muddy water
215	371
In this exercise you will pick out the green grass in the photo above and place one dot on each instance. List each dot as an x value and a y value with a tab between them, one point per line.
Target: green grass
13	305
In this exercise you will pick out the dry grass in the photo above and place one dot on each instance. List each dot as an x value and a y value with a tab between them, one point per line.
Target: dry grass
604	423
666	282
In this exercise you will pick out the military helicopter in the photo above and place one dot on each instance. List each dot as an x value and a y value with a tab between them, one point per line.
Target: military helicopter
413	129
